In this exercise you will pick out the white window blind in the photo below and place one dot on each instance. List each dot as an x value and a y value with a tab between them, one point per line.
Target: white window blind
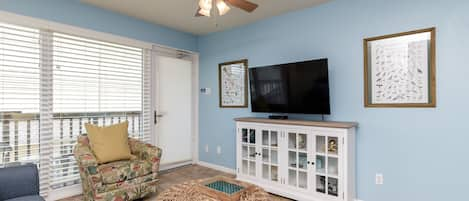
51	84
21	57
19	94
95	82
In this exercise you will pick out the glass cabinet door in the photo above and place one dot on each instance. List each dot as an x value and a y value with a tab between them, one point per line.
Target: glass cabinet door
297	175
269	146
248	151
327	165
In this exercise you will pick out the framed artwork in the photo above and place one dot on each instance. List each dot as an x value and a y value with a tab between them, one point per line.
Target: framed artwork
233	84
400	70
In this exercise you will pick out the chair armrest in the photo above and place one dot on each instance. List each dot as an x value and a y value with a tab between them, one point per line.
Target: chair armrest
87	162
83	153
19	181
148	152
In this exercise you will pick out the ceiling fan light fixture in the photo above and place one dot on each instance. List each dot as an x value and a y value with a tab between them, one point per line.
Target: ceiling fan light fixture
223	8
205	5
204	12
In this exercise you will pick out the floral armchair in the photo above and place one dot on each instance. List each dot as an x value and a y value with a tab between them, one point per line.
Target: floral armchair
119	180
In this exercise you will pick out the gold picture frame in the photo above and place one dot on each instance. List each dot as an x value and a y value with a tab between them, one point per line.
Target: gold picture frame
233	84
400	69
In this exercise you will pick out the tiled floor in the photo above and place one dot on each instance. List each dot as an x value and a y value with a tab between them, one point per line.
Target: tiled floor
171	177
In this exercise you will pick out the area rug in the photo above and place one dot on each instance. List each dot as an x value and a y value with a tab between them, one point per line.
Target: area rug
200	190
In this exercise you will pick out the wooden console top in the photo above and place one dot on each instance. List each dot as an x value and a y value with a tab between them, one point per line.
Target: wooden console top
329	124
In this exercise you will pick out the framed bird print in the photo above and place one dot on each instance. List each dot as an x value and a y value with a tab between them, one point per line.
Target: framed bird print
400	70
233	84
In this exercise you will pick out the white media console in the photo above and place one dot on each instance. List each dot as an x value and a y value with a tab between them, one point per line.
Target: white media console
302	160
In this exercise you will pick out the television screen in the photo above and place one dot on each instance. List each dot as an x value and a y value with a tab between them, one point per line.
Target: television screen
301	87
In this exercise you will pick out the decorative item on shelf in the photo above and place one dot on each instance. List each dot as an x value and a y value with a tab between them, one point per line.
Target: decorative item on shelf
252	136
321	186
319	163
274	144
332	187
302	162
400	70
332	146
302	142
274	173
233	83
253	155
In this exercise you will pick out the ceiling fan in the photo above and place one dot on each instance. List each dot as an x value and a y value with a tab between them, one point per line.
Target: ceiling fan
205	6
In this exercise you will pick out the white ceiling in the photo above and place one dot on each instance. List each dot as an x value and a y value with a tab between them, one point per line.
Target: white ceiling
179	14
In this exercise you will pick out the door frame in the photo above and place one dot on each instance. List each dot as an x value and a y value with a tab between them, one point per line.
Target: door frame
159	50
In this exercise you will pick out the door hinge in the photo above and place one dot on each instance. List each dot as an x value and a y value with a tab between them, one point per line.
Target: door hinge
155	117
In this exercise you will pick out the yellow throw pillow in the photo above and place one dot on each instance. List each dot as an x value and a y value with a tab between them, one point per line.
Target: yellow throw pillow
109	143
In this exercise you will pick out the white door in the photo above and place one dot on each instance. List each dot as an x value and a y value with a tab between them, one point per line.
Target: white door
173	109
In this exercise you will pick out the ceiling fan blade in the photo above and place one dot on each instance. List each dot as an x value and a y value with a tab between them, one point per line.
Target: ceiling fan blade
243	4
197	14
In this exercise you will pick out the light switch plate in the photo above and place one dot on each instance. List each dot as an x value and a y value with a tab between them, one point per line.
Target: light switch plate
206	91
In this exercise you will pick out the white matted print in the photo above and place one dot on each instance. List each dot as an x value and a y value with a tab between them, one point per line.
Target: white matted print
399	70
233	84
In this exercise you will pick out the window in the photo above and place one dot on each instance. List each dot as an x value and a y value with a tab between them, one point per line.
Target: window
52	83
19	94
93	82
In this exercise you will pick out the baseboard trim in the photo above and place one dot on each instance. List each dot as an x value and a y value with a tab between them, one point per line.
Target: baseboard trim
217	167
174	165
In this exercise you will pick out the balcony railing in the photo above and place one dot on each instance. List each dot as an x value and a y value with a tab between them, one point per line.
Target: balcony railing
20	143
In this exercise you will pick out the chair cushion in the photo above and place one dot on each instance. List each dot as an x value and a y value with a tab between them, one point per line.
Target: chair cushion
109	143
18	181
120	171
27	198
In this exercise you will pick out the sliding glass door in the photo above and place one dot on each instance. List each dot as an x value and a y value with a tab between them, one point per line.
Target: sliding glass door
52	83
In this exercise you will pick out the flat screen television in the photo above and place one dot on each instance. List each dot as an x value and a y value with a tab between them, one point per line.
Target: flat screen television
301	87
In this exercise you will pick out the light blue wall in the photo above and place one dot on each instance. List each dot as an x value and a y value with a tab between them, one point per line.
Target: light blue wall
75	13
423	153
